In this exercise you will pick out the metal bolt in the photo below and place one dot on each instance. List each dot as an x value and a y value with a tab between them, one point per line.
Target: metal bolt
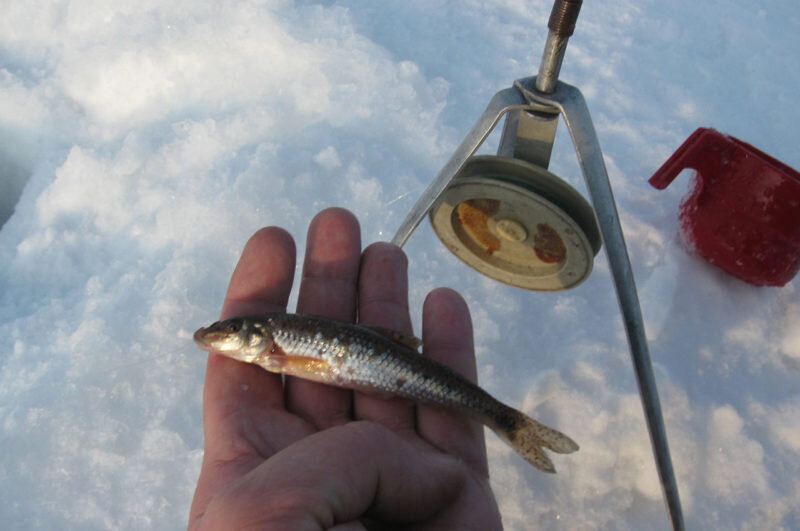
562	25
564	16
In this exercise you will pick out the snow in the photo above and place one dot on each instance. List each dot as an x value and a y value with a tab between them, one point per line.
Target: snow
142	143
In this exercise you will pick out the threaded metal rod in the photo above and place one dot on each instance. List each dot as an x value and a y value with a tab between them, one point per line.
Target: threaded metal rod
564	16
561	25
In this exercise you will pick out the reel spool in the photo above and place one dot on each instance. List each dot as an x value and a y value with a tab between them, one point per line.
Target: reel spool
517	223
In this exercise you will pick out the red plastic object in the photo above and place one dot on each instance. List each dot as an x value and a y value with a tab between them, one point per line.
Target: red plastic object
744	212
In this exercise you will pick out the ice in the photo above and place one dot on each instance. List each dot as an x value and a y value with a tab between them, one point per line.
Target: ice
328	158
141	144
734	463
790	344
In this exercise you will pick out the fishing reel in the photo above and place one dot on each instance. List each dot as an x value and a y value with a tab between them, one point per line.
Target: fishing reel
507	216
514	221
511	219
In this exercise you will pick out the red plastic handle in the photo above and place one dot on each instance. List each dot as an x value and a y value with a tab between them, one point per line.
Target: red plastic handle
704	150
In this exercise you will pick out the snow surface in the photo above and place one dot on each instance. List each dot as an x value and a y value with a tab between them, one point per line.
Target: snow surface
141	143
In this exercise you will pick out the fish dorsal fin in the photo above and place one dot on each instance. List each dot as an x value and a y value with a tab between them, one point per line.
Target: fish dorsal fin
408	340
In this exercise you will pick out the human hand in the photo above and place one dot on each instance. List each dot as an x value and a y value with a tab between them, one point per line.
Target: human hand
296	454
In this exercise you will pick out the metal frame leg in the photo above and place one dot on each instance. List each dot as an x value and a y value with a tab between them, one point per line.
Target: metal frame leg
573	107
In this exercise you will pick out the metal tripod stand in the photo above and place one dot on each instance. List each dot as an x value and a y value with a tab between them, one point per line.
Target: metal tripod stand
487	210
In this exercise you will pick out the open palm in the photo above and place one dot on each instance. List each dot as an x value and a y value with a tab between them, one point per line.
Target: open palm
293	454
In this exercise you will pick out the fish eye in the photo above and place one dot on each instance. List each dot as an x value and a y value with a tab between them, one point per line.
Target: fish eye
234	326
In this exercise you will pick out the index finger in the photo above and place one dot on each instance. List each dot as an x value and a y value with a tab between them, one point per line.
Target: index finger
234	392
260	284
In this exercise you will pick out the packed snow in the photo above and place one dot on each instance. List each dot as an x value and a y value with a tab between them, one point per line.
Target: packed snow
142	143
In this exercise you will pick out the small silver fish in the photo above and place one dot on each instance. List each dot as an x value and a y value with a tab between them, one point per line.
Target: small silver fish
378	361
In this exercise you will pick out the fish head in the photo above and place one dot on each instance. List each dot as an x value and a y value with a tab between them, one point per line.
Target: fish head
237	338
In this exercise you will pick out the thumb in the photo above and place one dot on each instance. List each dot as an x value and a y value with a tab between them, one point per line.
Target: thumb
337	476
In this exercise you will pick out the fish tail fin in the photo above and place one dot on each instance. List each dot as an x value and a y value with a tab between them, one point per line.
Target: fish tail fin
527	437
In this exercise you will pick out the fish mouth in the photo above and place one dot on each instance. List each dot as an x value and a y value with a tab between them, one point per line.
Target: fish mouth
212	339
200	337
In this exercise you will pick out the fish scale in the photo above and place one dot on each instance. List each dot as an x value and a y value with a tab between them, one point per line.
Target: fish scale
364	362
377	361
